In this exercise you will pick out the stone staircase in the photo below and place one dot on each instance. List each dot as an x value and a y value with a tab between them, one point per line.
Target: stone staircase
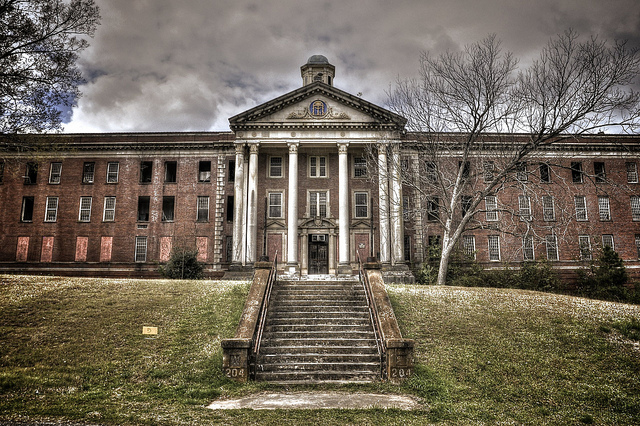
318	331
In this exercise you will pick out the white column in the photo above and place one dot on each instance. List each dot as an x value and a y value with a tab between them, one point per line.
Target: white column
292	210
238	195
343	209
383	193
252	205
395	201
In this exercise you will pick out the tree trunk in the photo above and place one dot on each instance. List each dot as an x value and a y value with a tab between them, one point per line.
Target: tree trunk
444	256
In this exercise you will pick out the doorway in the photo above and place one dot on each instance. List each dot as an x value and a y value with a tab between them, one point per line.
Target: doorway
318	254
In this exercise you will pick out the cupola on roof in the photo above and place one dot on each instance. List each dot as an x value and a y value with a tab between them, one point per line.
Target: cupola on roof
317	68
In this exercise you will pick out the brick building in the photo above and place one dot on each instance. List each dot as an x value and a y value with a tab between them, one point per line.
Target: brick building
293	177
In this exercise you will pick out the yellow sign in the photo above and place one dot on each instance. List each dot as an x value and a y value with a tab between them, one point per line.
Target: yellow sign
149	330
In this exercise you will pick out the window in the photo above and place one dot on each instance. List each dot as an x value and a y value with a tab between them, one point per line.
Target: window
1	171
405	208
545	173
469	246
632	172
527	248
85	209
524	207
488	168
170	171
491	207
318	166
109	213
168	204
275	167
31	175
433	206
146	171
51	213
203	209
435	248
143	209
275	204
466	169
598	170
141	249
232	171
359	167
607	241
635	208
552	247
465	202
230	208
431	172
576	172
603	208
112	172
55	173
88	172
317	204
27	209
407	248
362	204
581	207
638	245
585	247
521	172
548	208
204	171
494	248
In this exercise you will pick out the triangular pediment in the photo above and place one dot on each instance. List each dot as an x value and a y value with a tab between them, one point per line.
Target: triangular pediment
317	105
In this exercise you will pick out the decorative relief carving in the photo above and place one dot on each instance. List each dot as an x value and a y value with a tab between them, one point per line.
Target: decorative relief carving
318	110
343	148
293	147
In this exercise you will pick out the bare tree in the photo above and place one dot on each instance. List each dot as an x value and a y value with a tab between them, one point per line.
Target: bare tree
478	121
39	48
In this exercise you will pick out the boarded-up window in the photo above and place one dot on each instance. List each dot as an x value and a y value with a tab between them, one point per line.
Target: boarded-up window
165	249
81	249
106	243
46	254
22	250
202	244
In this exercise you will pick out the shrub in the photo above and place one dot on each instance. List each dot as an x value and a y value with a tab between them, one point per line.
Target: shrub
183	264
605	278
538	276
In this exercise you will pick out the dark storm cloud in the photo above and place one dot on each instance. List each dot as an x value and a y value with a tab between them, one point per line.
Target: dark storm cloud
164	65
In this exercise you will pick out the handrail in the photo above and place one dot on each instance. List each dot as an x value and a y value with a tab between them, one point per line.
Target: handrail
265	304
373	311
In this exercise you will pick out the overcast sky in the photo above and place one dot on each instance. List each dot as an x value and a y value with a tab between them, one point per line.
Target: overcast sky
169	65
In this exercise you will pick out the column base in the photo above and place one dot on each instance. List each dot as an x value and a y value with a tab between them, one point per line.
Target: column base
345	269
292	270
398	274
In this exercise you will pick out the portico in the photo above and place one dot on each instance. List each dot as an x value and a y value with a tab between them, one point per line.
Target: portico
302	186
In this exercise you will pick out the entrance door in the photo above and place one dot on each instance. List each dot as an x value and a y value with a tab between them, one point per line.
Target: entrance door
318	254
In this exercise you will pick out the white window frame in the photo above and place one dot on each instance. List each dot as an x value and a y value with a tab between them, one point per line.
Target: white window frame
528	250
109	211
273	166
469	245
318	204
524	207
276	201
51	210
491	208
493	243
638	244
88	176
548	208
632	172
580	202
488	169
113	175
200	206
204	176
360	169
553	253
55	173
604	208
635	207
84	214
521	172
584	245
141	250
318	166
358	204
607	240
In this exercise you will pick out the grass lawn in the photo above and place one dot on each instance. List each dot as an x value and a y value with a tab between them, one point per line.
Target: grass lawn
73	349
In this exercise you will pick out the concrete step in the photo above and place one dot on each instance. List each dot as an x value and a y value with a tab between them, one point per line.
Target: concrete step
318	334
296	376
336	328
307	341
320	358
307	350
279	307
283	313
356	321
320	366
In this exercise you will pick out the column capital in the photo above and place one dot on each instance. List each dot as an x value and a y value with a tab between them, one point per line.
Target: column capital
342	147
240	148
293	147
254	147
